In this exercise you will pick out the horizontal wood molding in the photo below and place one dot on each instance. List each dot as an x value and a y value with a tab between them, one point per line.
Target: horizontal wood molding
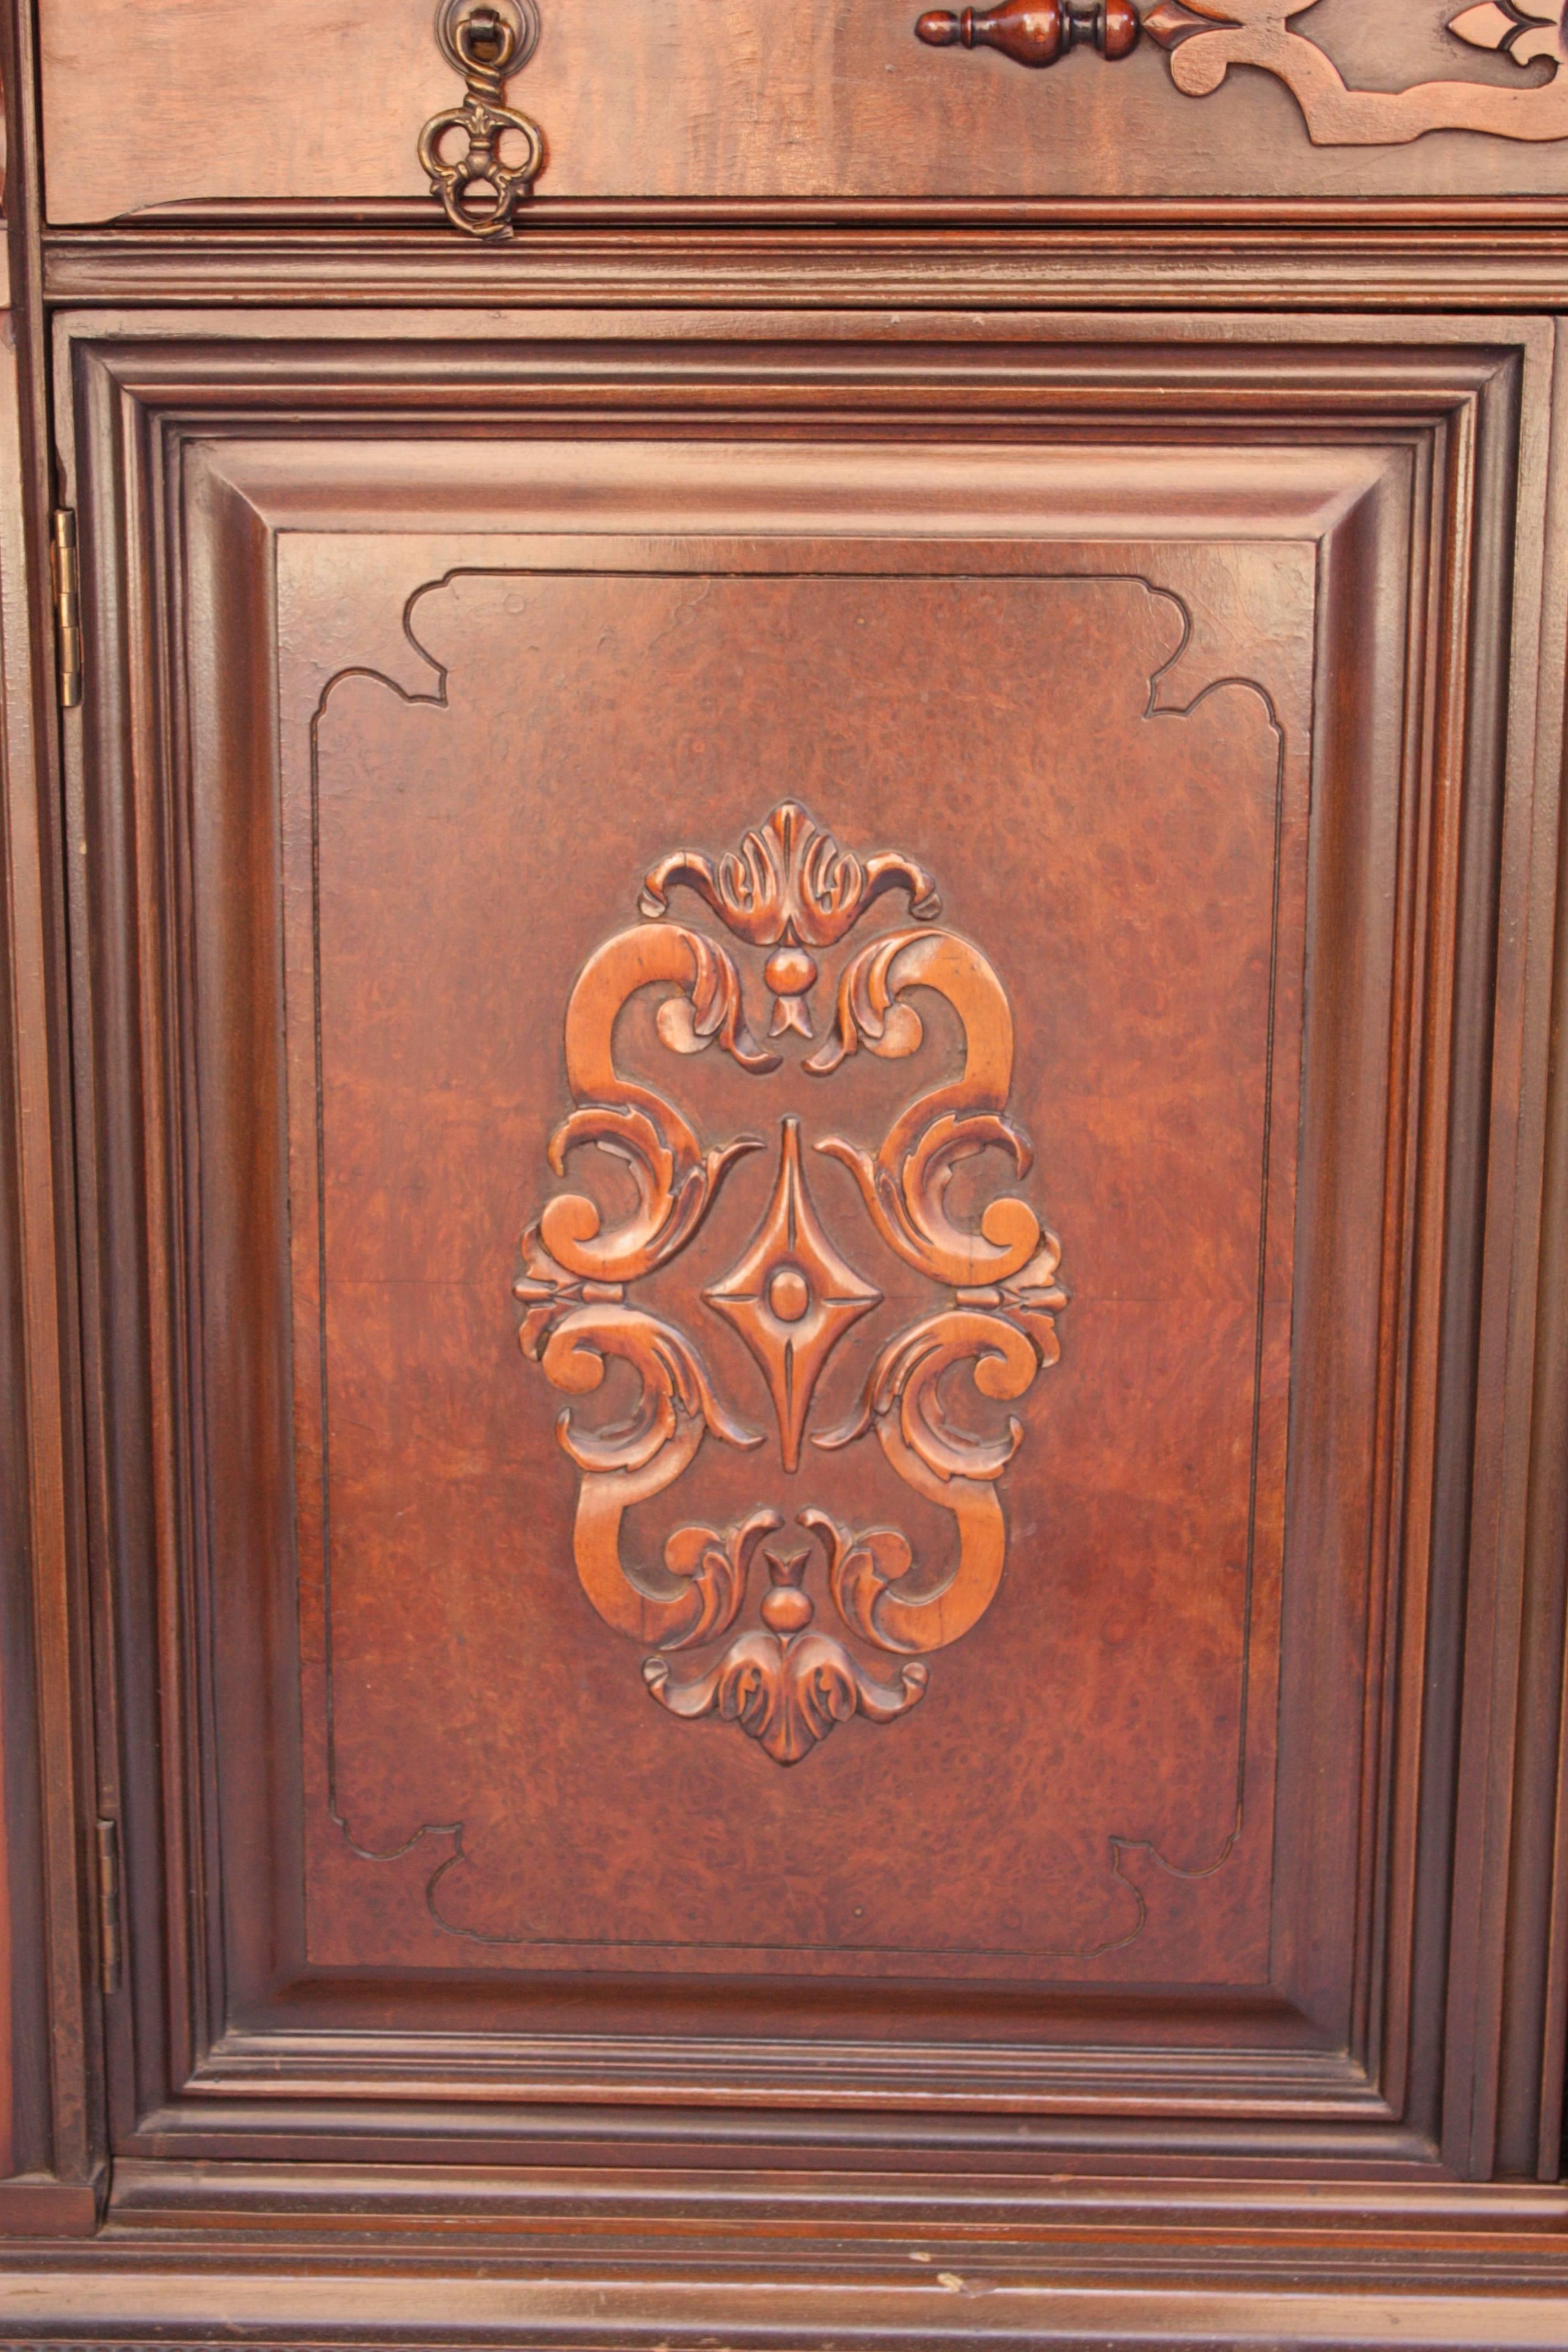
813	2302
1127	259
863	2204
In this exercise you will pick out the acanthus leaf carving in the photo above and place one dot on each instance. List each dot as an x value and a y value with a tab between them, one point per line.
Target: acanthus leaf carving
878	1591
862	1569
786	1694
789	884
675	1191
676	1182
789	887
907	1380
548	1292
675	1386
705	1570
905	1181
713	1567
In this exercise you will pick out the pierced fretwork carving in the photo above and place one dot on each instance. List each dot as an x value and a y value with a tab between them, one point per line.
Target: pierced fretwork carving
793	1297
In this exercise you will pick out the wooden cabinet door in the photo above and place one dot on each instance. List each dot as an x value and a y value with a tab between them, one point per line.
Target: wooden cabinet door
786	1037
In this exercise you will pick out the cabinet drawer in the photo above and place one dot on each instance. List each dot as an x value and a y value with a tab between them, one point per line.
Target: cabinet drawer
750	101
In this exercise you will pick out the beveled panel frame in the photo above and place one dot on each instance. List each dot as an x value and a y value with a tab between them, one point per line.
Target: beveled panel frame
858	486
1399	456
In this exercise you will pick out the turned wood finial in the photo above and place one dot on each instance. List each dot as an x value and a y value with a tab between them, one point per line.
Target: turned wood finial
1035	32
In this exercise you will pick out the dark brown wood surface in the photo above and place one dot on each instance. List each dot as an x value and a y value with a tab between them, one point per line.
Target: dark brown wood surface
1081	1857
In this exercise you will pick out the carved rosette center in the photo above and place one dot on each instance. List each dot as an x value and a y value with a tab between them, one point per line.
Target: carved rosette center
793	1297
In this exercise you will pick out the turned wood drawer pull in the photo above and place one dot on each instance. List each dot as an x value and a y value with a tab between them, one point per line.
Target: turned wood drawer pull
1035	32
484	40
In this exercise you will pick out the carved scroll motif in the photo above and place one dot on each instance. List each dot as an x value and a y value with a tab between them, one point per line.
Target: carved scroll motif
1207	37
793	1297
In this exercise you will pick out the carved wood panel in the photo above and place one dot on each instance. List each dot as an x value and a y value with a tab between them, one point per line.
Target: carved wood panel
1208	37
494	825
791	1326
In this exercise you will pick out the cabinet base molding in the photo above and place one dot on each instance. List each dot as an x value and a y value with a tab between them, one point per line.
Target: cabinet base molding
1421	2213
915	2296
34	2205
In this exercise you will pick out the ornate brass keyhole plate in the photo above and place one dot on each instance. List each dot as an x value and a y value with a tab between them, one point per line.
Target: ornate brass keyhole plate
794	1295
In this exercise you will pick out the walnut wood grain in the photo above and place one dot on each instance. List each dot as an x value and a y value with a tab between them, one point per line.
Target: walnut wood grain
684	2301
51	2058
689	1432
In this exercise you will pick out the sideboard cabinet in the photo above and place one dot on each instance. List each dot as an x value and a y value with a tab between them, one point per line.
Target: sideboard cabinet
786	1354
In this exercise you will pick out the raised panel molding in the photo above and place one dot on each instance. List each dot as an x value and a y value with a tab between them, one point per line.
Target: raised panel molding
210	470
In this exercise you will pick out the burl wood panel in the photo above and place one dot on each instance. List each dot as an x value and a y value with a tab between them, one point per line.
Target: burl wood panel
182	100
1115	818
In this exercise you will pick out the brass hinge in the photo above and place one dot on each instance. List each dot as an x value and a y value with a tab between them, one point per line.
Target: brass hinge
66	582
109	1906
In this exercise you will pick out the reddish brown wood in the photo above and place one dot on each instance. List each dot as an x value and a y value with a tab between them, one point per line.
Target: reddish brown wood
1000	1772
1030	34
1035	32
1077	1897
52	2059
774	100
1125	258
1358	506
1116	29
1363	552
1217	35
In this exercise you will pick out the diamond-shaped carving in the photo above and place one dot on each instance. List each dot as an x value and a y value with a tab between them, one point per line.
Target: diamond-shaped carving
792	1297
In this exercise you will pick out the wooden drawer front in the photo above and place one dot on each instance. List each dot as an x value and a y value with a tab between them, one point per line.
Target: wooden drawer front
322	101
892	909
